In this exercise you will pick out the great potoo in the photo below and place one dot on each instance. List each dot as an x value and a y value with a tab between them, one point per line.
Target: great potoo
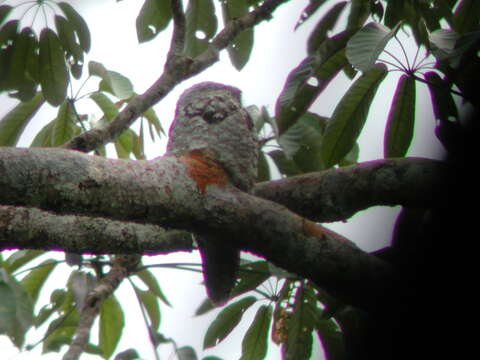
210	118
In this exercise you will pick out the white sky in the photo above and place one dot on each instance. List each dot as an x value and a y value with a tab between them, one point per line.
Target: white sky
278	49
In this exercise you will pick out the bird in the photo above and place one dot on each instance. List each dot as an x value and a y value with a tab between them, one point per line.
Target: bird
209	118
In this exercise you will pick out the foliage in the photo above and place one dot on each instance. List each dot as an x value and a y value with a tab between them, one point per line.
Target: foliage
39	68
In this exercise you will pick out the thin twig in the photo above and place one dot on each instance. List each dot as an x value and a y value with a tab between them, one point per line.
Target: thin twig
175	72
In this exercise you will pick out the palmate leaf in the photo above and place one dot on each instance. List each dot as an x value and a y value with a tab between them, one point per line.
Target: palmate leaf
241	47
110	326
350	115
15	121
364	48
53	70
153	18
401	119
226	321
255	341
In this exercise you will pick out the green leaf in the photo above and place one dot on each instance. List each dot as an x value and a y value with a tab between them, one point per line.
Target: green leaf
112	81
78	23
53	70
443	43
61	330
67	37
205	307
20	258
18	60
311	8
8	31
466	15
263	173
300	325
44	136
186	353
150	280
15	121
241	47
364	48
331	338
154	17
285	165
350	115
150	302
326	23
154	121
255	342
226	321
444	107
35	279
394	12
302	142
57	298
251	276
16	309
64	127
105	104
4	11
33	59
359	13
125	144
201	26
401	119
306	82
111	325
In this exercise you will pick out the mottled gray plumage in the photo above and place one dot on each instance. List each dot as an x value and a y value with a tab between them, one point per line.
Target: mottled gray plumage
209	117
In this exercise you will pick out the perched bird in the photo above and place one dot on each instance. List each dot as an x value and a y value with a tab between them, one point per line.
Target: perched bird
210	118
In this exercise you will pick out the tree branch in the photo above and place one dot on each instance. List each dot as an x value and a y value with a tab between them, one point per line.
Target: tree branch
122	265
164	192
337	194
22	227
177	69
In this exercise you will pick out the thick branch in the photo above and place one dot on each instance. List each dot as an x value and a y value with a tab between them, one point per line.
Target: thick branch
164	192
337	194
177	69
22	227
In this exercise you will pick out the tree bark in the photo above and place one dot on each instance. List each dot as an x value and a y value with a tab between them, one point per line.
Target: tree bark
166	192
